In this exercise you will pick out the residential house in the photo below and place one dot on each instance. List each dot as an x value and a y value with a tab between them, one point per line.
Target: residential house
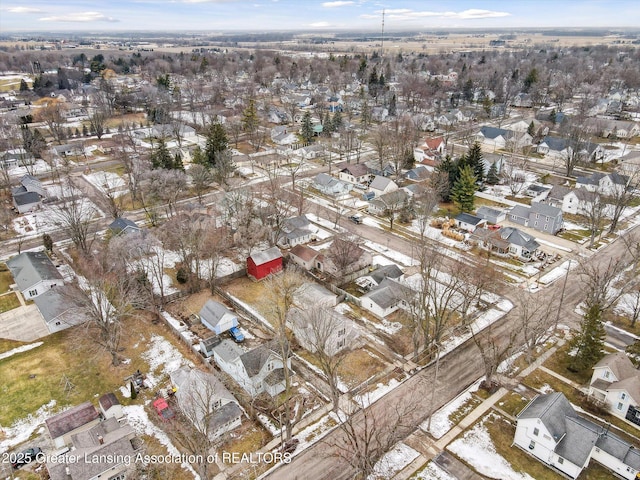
322	328
506	241
381	185
555	147
417	174
110	406
34	273
15	157
282	135
539	216
388	297
606	128
277	116
604	183
303	256
500	138
550	430
577	202
522	100
28	196
123	226
264	263
207	344
539	128
309	152
331	186
375	168
217	318
468	222
389	201
491	215
206	402
539	192
58	310
105	450
616	383
77	419
343	258
375	278
356	173
312	294
256	371
432	150
296	231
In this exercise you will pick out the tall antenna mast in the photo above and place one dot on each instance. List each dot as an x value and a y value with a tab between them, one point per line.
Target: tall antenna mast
382	42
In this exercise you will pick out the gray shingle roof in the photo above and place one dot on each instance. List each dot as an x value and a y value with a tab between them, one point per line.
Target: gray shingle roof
520	211
120	224
254	360
468	218
25	198
518	237
212	312
223	415
493	132
388	293
386	271
580	437
71	419
265	256
29	268
544	209
380	183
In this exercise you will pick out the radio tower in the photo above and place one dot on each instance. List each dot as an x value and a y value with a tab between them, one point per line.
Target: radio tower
382	42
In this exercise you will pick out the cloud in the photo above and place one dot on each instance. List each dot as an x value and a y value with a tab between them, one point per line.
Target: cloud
80	17
406	14
23	10
338	3
320	24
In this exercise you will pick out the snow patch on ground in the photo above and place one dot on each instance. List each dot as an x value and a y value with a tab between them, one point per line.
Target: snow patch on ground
440	423
139	421
398	257
393	461
368	398
22	429
162	355
558	272
23	348
477	449
432	472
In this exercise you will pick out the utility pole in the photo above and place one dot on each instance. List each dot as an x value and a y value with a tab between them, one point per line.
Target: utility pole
564	285
382	41
435	385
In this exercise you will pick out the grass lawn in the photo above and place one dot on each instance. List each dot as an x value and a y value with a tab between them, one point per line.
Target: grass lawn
559	361
574	235
63	354
513	403
463	410
523	200
6	344
624	323
253	294
358	366
6	278
9	302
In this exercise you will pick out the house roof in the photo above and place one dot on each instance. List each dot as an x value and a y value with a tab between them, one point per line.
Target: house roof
108	400
545	209
311	293
301	221
485	212
630	385
518	237
380	183
210	342
386	271
71	419
620	364
355	169
303	252
520	211
53	305
580	436
493	132
227	350
558	192
469	219
212	312
29	268
552	410
260	258
324	180
433	143
255	359
223	415
196	388
388	293
120	224
555	143
25	198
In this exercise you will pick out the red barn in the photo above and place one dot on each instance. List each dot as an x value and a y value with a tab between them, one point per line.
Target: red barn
263	264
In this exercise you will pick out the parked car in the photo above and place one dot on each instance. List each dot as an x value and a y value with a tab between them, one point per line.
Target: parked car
356	219
25	457
236	334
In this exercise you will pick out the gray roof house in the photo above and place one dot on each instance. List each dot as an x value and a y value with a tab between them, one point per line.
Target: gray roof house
376	277
256	371
77	419
616	383
506	241
217	318
58	311
388	297
331	186
491	215
469	222
539	216
550	430
381	185
28	195
606	184
296	231
206	402
105	450
322	328
34	273
123	226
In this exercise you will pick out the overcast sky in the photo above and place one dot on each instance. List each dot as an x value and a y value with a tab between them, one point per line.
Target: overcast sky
310	15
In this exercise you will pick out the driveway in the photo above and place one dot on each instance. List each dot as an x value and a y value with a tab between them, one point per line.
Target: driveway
24	324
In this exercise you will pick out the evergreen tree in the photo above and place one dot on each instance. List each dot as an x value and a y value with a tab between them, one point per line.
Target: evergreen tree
327	127
450	168
531	130
47	242
336	122
588	343
531	78
23	85
85	131
552	116
250	121
365	115
492	175
197	156
177	162
160	157
474	160
307	128
392	106
217	142
134	392
462	192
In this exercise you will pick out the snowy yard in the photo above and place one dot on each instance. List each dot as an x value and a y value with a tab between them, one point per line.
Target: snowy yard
440	423
393	461
107	182
48	218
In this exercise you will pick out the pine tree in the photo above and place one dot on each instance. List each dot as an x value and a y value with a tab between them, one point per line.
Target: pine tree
492	175
474	160
307	128
177	162
134	392
23	85
160	157
217	142
336	122
532	129
197	156
588	343
47	242
250	120
462	193
392	106
552	116
450	168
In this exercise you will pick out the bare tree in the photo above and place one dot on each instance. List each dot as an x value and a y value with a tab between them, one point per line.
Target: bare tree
535	319
163	188
631	305
513	174
594	211
494	349
344	253
53	114
622	195
201	179
74	216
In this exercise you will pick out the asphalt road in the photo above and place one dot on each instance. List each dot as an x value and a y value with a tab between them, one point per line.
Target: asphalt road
413	397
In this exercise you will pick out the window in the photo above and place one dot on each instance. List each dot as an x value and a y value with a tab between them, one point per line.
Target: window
532	445
606	374
536	431
560	460
340	343
620	406
342	332
33	293
623	395
269	366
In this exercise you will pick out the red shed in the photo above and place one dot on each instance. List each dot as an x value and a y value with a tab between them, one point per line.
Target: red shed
263	264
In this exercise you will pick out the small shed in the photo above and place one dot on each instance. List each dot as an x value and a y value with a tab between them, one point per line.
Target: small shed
262	264
469	222
491	215
206	345
217	318
110	406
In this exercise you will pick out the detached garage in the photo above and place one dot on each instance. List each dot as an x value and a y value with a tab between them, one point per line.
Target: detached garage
263	264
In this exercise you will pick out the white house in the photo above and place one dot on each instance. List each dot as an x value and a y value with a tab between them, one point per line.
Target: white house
550	430
217	318
206	402
70	422
322	328
469	222
388	297
331	186
34	273
303	256
356	173
296	231
616	382
381	185
256	371
606	184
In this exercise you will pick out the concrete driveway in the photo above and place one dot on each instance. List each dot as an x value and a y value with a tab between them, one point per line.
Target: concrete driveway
24	324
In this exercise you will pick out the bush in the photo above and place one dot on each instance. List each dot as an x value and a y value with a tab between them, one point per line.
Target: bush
182	276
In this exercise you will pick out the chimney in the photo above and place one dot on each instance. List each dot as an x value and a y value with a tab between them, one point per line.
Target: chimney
67	471
100	439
